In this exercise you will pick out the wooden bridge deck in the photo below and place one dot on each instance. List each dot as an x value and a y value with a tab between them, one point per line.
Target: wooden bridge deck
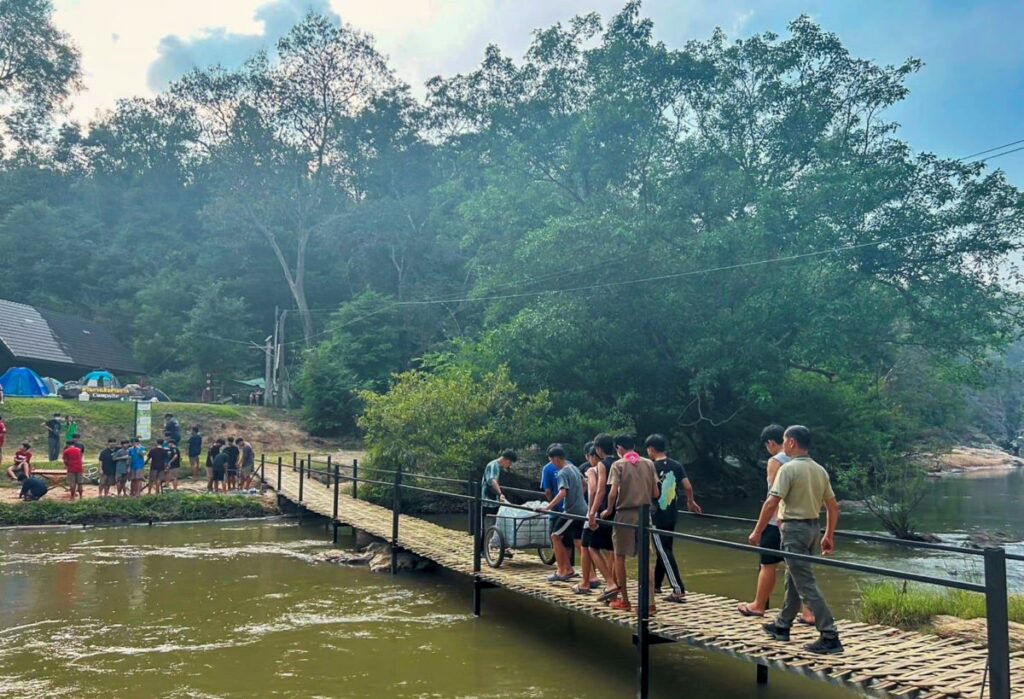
878	660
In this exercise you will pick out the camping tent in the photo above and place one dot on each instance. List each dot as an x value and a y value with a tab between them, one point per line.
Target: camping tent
100	379
53	384
19	381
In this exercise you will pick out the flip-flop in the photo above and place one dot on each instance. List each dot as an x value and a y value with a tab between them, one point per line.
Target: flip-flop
674	598
608	595
596	585
744	609
580	590
559	578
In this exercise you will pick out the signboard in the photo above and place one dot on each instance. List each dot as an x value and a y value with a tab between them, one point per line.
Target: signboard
107	393
144	420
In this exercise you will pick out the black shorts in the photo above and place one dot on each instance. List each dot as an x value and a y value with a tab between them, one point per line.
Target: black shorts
600	538
771	539
218	475
569	529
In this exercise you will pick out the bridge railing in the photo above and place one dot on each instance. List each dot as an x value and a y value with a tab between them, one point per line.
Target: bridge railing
993	587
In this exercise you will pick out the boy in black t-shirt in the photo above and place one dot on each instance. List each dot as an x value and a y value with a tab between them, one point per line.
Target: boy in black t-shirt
671	476
157	460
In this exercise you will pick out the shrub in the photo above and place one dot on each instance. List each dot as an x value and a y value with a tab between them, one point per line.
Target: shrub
151	508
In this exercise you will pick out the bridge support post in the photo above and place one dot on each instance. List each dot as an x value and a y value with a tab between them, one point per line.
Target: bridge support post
469	492
295	459
762	674
302	466
643	642
309	465
263	471
476	512
998	623
280	463
355	479
396	511
337	481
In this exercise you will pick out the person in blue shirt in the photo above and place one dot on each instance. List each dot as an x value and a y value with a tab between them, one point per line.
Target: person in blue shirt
137	454
549	484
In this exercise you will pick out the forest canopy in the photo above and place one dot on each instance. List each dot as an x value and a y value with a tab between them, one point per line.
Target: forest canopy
695	240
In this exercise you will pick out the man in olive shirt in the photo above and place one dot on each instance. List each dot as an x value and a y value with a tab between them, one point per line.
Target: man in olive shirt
800	489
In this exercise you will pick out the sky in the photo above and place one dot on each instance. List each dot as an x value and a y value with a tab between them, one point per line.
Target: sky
969	97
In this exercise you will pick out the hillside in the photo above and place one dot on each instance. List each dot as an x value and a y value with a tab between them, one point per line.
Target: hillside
269	430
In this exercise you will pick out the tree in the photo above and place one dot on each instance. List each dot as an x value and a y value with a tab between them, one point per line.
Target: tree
278	138
39	68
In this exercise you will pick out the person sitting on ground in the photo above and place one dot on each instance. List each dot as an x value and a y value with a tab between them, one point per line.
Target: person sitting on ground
32	487
157	460
108	468
74	468
195	450
122	467
220	467
800	490
22	462
634	483
172	472
565	531
771	537
665	512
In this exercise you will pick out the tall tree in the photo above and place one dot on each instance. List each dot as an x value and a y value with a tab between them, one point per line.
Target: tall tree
39	69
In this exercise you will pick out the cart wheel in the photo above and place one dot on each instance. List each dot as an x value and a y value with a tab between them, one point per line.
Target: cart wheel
547	555
494	547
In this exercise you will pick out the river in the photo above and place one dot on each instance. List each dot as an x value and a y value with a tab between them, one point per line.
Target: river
237	609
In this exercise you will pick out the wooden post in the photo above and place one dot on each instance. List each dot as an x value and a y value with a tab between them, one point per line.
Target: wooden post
396	511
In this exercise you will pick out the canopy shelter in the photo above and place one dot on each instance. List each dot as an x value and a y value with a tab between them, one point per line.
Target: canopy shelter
23	382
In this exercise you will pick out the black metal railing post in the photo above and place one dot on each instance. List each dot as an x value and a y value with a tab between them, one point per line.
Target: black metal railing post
643	601
355	479
263	469
309	465
280	465
998	619
469	492
302	466
396	511
476	513
337	482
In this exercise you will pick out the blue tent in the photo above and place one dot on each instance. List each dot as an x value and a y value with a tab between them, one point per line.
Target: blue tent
100	379
19	381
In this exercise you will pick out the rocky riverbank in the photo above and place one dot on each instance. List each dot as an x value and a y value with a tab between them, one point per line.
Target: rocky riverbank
965	459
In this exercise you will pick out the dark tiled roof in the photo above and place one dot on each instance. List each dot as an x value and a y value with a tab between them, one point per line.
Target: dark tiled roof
90	344
27	334
40	335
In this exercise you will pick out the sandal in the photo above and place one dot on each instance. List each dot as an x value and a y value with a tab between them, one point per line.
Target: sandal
556	578
676	597
596	584
745	610
581	590
621	605
608	595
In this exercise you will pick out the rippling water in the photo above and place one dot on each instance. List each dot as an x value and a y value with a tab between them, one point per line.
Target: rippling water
240	610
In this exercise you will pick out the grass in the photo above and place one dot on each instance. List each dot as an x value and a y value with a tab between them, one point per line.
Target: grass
151	508
914	606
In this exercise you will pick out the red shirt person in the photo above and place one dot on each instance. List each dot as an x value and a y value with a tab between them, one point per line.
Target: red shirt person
75	468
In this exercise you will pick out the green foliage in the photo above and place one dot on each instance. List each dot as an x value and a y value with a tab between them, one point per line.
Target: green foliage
913	606
169	507
360	353
448	422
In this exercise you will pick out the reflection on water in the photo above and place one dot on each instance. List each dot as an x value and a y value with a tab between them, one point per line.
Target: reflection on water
212	611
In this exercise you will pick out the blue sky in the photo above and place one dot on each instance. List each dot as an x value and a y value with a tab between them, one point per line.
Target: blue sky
969	96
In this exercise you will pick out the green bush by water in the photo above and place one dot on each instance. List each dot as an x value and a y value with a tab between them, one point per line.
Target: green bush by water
151	508
914	606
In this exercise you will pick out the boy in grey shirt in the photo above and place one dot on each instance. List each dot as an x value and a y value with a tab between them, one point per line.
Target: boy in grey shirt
566	532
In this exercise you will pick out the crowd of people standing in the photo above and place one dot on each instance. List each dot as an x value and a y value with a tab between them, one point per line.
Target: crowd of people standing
605	499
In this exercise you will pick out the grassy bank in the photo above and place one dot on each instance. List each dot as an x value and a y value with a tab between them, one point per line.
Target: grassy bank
915	606
155	508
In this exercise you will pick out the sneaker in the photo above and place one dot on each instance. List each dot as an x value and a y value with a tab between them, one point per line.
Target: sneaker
776	632
826	645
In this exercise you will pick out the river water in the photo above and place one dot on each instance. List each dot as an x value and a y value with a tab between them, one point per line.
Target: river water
237	609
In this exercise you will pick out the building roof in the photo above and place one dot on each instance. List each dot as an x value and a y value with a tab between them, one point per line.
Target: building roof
35	334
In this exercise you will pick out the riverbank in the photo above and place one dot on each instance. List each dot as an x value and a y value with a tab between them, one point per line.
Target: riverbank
169	507
947	613
964	459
